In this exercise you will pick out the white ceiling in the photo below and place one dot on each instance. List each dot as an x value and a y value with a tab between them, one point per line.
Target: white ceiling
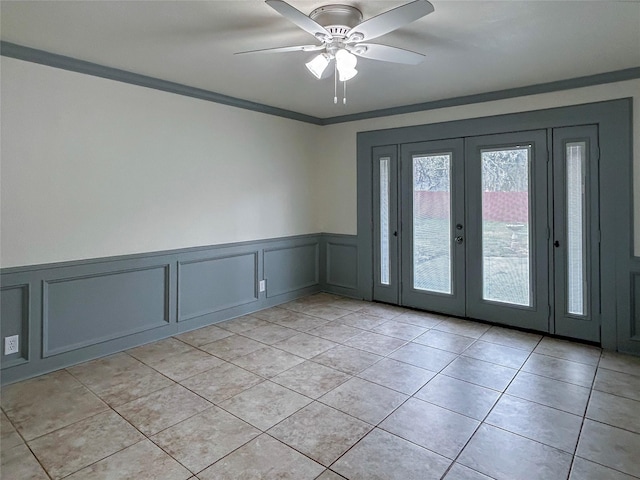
471	46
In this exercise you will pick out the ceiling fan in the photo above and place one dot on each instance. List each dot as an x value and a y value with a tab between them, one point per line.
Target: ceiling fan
343	37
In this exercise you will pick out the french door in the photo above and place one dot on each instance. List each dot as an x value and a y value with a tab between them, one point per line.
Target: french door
492	227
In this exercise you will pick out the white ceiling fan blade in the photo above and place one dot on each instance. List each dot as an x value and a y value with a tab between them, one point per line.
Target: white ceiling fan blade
386	53
294	48
391	20
299	18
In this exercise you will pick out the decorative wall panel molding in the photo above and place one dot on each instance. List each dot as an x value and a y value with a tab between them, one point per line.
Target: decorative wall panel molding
342	265
213	284
292	268
85	310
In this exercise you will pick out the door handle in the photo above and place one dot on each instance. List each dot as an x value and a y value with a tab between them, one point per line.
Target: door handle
556	244
459	239
395	234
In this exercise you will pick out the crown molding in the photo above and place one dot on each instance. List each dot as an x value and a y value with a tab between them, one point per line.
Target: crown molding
42	57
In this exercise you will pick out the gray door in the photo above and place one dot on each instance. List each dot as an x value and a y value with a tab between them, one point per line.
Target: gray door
507	238
491	227
461	227
576	233
433	205
474	230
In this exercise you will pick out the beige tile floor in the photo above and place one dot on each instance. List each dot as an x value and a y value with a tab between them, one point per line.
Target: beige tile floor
328	388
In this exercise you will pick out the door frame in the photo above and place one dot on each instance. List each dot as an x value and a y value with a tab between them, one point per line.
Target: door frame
614	121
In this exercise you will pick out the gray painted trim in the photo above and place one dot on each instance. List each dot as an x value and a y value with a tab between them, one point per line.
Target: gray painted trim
42	57
568	84
80	66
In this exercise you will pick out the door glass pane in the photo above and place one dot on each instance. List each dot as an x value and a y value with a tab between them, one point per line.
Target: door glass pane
575	159
505	225
432	223
384	220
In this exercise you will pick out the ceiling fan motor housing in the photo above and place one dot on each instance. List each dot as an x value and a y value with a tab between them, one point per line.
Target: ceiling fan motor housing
337	19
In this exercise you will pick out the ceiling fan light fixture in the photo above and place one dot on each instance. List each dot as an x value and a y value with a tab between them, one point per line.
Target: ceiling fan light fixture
347	74
345	59
340	29
318	64
346	64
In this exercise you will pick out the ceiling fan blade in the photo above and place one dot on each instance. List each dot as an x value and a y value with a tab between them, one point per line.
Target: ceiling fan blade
385	53
295	48
300	19
391	19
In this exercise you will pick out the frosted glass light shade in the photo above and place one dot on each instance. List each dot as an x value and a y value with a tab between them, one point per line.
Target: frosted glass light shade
346	64
347	74
318	65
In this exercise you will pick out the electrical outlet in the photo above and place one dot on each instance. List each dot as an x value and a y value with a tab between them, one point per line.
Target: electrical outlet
262	285
11	344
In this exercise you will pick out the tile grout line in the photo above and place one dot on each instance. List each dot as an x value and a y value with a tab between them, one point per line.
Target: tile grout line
145	436
377	426
110	408
482	422
584	416
352	416
26	444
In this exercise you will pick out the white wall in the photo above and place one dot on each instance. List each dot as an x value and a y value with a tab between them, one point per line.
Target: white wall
337	206
92	167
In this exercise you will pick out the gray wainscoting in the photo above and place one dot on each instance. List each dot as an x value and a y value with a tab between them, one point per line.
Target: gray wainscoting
70	312
15	313
287	269
81	310
208	285
340	264
630	336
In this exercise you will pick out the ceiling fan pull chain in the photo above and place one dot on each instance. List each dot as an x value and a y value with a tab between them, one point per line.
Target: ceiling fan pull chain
335	83
344	93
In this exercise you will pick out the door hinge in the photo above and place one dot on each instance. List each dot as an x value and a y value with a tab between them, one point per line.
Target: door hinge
548	233
599	236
